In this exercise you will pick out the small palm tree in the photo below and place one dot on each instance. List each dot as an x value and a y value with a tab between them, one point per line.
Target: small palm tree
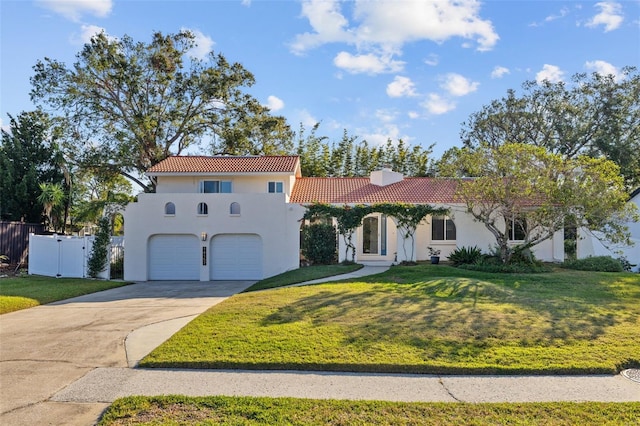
51	196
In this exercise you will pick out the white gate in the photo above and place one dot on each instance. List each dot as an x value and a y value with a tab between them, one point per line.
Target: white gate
63	256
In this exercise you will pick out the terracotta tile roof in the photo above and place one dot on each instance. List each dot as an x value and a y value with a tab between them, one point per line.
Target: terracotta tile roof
227	164
360	190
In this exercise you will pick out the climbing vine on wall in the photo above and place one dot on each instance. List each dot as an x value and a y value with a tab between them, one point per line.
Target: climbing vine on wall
349	218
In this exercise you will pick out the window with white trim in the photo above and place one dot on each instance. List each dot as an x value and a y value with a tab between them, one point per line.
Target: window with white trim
517	229
442	229
215	186
276	187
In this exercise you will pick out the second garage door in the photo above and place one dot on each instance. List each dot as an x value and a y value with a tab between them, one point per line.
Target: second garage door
236	257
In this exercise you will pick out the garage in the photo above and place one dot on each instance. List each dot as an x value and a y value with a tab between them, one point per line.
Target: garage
236	257
174	257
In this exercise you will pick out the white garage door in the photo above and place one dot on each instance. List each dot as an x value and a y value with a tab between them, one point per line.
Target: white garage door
174	257
236	257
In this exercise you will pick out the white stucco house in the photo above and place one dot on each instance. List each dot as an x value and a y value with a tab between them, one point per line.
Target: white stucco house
239	218
593	243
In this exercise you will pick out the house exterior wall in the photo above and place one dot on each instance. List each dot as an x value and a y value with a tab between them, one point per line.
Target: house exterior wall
241	184
265	215
468	233
592	243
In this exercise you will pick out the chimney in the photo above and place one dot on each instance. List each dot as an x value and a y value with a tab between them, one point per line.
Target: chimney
385	177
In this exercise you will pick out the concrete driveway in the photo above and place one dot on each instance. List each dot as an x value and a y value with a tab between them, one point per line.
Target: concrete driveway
46	348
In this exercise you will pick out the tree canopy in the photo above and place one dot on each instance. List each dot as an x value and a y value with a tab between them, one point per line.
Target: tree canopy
131	104
594	115
29	157
352	158
523	194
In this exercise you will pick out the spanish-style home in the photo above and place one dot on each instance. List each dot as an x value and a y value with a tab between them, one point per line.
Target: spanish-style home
239	218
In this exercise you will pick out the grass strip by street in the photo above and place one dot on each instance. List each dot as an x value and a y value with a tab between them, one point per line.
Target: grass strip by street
174	410
423	319
26	292
301	275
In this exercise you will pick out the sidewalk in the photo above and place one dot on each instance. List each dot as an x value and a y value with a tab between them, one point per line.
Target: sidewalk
107	384
362	272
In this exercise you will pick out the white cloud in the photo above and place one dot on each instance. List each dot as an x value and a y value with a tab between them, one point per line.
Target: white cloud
74	9
603	68
563	12
86	32
457	85
437	105
385	115
551	73
327	22
413	115
401	86
499	72
369	63
610	16
436	20
274	103
380	136
204	44
384	27
305	117
432	60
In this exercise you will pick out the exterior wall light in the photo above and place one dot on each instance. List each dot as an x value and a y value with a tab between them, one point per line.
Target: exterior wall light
203	236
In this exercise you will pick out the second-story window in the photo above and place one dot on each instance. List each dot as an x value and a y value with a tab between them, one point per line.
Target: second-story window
276	187
215	186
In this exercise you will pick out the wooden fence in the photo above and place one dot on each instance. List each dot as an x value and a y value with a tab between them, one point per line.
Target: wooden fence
14	239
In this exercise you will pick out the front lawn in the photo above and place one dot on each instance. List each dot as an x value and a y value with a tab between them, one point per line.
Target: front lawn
423	319
290	411
25	292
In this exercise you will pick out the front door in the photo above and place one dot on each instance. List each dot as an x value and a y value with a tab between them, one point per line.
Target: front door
374	235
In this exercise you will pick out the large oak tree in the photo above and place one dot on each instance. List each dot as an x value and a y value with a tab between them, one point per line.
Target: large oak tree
596	115
132	104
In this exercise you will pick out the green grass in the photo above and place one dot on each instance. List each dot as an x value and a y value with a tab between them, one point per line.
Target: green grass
26	292
423	319
180	410
301	275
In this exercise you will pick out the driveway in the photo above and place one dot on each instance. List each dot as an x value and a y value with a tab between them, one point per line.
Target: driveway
46	348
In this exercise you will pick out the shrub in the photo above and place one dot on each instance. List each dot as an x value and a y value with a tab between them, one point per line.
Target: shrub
465	255
595	263
506	268
319	243
100	250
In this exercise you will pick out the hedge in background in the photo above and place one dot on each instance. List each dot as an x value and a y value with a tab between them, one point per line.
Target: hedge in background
596	263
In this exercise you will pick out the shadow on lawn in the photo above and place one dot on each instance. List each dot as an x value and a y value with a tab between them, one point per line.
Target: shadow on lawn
463	315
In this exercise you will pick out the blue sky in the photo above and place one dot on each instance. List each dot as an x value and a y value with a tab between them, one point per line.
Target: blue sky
405	69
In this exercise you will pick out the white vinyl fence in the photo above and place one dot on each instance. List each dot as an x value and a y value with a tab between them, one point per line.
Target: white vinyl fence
66	257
